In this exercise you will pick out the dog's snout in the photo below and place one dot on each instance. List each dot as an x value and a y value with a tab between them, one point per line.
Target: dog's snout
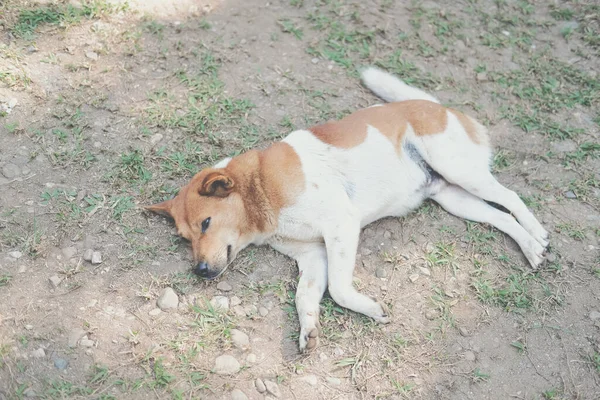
202	269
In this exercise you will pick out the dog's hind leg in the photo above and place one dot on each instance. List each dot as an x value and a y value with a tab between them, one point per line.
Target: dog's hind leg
461	203
463	159
341	238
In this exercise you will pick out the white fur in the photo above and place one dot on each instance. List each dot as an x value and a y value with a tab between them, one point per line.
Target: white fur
346	189
390	88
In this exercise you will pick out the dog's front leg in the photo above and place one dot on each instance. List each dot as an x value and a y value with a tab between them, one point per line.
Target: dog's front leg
312	266
341	239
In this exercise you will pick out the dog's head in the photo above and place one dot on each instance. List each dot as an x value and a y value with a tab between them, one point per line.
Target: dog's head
209	212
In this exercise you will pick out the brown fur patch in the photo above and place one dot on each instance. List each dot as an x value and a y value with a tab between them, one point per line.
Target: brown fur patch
425	117
468	125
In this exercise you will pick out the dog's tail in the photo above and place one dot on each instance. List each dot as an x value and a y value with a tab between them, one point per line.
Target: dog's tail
390	88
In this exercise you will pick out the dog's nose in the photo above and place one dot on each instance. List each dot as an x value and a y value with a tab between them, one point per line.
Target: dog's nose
202	269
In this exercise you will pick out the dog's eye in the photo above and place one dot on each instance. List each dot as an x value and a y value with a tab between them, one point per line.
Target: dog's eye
205	224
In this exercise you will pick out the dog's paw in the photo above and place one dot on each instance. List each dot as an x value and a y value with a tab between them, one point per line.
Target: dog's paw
537	231
309	339
535	253
382	315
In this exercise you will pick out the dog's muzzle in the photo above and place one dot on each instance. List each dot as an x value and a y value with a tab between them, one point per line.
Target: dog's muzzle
202	270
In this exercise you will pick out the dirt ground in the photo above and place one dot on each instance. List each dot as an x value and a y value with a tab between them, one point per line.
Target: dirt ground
106	107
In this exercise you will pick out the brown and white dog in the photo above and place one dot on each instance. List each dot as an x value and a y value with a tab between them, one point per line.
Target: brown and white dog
309	195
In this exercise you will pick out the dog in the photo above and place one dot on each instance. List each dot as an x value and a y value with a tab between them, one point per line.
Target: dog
309	195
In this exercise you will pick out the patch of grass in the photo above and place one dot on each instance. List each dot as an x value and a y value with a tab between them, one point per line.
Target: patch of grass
161	376
546	86
585	151
62	15
584	187
131	169
208	109
479	376
520	346
442	256
155	28
288	26
5	279
408	72
502	161
343	43
571	230
402	388
212	324
515	293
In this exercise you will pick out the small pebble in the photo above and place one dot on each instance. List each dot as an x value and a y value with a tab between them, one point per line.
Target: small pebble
156	138
220	303
273	388
87	343
61	363
29	327
11	171
312	380
413	277
381	272
55	281
263	311
469	356
594	315
39	353
570	195
96	257
226	365
224	286
235	301
15	254
92	55
551	257
251	358
334	381
87	256
167	300
425	271
260	386
75	336
237	394
240	339
155	312
463	331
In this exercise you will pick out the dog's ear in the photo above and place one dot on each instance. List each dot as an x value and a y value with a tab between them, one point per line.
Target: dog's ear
163	208
217	184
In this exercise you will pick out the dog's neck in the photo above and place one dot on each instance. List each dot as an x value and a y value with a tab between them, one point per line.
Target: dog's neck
268	180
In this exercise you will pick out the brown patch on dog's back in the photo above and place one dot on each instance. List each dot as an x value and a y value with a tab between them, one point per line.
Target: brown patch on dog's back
468	124
425	117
